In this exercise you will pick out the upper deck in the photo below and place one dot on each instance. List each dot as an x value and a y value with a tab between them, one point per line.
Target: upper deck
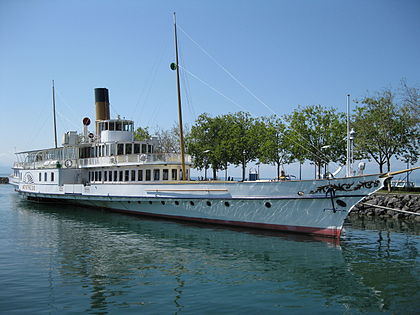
96	155
112	144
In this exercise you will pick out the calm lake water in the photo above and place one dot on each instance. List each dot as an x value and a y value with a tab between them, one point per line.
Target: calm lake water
66	259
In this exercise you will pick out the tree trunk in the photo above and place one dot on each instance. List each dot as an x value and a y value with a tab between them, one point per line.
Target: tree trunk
319	166
388	164
243	171
278	170
214	173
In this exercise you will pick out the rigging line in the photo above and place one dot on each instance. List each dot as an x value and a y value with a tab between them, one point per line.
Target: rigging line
186	87
321	154
64	101
228	72
214	89
66	119
38	130
144	94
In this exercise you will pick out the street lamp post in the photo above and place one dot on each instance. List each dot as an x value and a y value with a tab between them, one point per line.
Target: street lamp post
352	136
325	147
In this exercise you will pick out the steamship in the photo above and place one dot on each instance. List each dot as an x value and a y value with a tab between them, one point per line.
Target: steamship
108	169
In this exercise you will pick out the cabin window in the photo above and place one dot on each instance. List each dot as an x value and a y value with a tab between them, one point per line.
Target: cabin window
143	148
100	176
118	126
126	175
128	148
140	175
121	176
111	125
149	148
136	148
148	175
40	176
165	174
52	176
115	176
105	176
120	149
133	176
45	176
156	174
174	173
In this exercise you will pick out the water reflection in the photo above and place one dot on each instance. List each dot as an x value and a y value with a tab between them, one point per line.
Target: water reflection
381	224
130	263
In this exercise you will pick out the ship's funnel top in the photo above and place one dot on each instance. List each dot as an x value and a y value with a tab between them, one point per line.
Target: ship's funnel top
102	104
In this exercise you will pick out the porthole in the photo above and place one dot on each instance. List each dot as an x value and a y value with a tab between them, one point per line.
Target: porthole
208	203
300	193
150	202
177	202
192	203
268	204
139	202
341	203
227	204
128	201
162	202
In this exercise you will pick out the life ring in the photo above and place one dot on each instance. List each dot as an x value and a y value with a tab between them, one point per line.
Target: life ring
68	163
143	157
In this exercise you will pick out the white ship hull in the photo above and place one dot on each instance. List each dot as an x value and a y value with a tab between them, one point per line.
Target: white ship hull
313	206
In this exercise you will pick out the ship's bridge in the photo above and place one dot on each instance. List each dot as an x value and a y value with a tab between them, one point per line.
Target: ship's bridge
116	130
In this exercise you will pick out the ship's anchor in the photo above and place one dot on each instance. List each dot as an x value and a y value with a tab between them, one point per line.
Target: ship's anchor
331	193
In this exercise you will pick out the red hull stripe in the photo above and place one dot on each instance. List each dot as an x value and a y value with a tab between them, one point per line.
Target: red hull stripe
289	228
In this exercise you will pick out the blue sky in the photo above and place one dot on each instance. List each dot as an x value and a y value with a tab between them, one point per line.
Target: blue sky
286	52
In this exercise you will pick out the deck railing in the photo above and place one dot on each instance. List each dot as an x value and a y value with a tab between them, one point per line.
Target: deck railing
153	158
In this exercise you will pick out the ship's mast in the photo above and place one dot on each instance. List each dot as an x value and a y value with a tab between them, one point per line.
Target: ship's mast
181	132
55	125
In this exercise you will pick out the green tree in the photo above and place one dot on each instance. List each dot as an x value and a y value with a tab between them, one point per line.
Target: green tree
273	148
223	140
386	129
242	139
142	134
316	133
207	143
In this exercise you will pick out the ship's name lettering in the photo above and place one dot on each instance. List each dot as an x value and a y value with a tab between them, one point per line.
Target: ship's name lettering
28	187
